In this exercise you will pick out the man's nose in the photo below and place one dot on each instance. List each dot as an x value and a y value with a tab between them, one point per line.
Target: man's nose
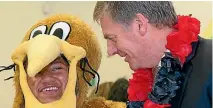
111	48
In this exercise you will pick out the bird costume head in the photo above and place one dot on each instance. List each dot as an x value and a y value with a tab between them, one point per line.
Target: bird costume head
42	44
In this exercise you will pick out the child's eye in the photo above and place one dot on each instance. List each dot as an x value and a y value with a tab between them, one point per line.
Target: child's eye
56	69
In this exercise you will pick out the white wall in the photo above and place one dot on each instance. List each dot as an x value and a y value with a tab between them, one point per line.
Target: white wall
17	17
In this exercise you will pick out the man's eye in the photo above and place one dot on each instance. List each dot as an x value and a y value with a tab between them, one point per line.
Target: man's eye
113	39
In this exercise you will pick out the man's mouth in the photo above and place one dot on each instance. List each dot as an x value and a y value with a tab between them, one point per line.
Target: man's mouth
125	58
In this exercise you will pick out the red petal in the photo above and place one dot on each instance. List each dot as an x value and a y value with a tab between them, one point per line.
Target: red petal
150	104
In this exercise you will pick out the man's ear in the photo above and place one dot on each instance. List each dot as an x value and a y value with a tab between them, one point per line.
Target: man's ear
142	22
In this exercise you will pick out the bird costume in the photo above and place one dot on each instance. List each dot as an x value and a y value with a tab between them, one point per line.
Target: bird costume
42	44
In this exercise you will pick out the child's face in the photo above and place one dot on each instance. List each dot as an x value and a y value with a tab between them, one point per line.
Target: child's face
49	84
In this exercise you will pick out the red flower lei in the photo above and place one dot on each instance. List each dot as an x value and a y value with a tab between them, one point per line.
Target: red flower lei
179	44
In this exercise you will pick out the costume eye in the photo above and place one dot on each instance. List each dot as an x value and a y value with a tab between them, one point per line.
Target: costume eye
38	30
61	30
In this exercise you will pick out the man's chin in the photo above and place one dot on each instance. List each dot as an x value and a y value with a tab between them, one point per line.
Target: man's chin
134	67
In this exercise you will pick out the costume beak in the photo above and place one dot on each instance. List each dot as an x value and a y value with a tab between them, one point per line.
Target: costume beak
42	50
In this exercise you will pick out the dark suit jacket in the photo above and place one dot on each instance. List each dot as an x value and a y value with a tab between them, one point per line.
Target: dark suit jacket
205	100
197	68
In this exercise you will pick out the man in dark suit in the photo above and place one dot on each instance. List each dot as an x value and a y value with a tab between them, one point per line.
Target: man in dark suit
139	32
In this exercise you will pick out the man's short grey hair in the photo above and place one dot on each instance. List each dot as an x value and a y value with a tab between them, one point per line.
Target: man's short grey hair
159	13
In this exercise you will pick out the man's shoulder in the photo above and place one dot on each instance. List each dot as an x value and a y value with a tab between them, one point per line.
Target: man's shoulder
202	60
205	42
203	50
198	72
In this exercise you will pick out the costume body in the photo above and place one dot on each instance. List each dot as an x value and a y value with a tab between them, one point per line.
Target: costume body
46	40
198	69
